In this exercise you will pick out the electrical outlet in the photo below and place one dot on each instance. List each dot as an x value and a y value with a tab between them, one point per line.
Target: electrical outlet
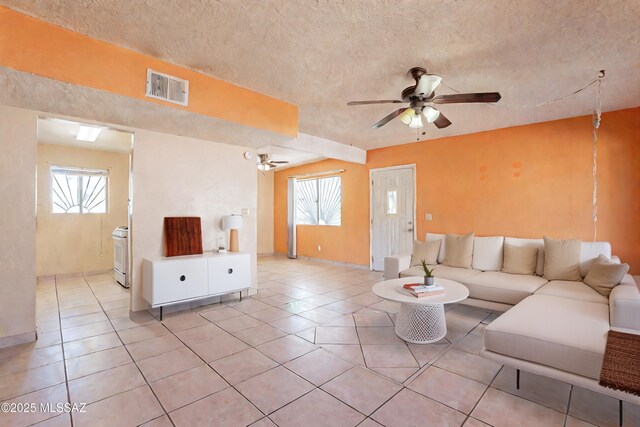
319	248
428	217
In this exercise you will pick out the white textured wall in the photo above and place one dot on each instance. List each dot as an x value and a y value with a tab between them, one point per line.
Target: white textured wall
265	212
17	225
79	243
179	176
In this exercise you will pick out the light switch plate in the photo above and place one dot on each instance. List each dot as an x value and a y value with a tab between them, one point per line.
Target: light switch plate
245	212
428	217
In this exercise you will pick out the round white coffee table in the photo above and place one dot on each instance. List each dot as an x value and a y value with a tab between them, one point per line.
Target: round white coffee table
420	320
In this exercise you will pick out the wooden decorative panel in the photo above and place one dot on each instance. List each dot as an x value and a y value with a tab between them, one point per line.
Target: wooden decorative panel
183	236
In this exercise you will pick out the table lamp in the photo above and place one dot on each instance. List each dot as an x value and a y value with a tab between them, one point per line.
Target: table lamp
232	223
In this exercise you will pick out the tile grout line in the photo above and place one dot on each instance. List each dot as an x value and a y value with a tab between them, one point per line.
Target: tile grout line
213	369
483	393
134	362
318	387
64	359
315	387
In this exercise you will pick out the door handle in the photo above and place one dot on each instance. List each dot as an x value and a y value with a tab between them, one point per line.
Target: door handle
410	230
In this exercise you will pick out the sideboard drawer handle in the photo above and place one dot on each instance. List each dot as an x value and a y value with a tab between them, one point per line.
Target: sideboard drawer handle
230	270
182	278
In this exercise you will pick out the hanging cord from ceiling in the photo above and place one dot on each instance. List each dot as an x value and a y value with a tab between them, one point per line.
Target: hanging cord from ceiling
596	124
597	80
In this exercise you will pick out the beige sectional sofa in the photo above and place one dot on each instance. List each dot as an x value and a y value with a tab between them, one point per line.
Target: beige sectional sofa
554	328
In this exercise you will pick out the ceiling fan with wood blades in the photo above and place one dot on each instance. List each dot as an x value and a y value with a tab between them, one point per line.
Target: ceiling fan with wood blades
421	97
265	163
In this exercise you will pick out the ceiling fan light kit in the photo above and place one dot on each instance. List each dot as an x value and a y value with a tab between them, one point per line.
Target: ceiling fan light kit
416	121
427	84
430	113
407	115
420	98
266	164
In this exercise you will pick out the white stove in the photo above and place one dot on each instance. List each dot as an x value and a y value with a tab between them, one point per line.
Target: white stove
120	255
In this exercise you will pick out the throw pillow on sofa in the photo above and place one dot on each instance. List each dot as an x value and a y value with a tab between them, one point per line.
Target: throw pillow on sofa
427	251
604	275
459	250
520	259
562	259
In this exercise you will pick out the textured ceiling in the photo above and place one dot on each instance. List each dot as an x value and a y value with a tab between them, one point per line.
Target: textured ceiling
322	54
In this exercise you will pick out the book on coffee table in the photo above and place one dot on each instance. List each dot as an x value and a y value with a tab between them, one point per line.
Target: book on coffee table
419	290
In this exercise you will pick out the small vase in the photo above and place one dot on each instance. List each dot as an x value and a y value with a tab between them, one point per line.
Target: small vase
429	280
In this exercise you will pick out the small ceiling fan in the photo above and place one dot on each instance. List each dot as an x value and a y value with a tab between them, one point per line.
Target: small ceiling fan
421	98
265	164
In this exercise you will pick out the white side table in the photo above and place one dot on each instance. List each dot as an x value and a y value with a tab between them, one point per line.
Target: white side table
420	320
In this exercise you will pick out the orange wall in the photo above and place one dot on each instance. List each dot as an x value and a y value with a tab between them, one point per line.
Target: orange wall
34	46
524	181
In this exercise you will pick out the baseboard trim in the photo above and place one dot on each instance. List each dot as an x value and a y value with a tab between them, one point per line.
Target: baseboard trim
72	275
338	263
98	272
265	254
18	339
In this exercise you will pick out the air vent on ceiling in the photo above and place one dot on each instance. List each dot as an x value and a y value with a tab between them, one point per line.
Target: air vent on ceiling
167	88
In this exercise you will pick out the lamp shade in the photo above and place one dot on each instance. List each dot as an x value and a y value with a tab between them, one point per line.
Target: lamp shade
231	222
416	121
406	116
427	84
430	113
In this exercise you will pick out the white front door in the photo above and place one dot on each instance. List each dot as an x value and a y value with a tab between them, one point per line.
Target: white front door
392	215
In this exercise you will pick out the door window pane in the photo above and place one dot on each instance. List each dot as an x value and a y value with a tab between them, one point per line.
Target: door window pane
392	202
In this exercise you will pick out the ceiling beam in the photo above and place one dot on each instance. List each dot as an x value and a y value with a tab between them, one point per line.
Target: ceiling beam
326	148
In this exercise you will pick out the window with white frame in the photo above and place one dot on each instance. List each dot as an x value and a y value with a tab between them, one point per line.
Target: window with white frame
319	201
75	190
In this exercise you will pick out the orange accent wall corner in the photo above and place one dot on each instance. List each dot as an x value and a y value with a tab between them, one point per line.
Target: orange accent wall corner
524	181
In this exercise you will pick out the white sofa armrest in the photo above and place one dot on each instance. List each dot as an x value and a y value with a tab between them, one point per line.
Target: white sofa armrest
394	264
624	305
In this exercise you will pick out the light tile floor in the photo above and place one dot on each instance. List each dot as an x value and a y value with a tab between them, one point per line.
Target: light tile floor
314	348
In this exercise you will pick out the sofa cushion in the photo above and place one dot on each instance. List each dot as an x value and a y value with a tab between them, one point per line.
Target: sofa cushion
589	251
487	253
572	290
535	243
459	250
562	259
520	259
455	273
415	271
565	334
604	275
502	287
443	246
427	251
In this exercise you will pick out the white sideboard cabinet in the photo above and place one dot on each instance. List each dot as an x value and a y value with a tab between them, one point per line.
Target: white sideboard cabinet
174	280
